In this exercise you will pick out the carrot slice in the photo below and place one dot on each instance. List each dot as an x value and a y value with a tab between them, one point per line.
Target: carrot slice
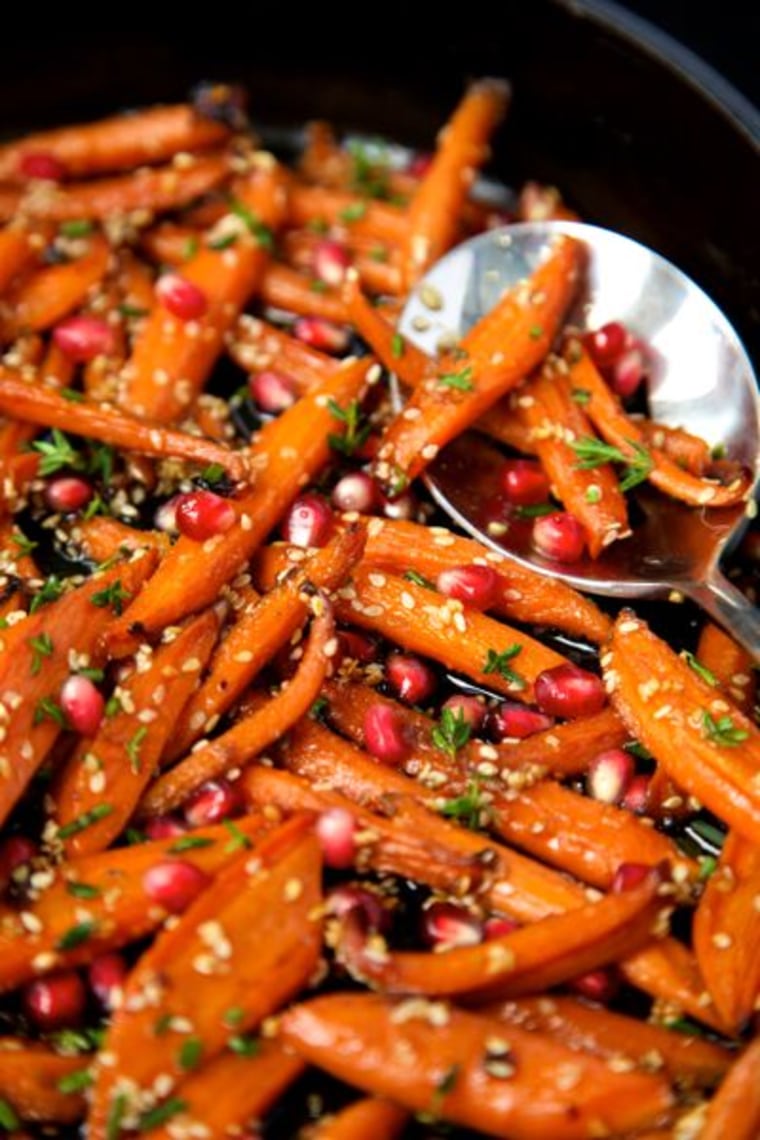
119	761
20	247
433	219
257	346
339	208
35	661
707	746
730	664
31	1076
397	354
735	1109
470	1072
246	945
529	960
680	446
380	1119
255	732
527	319
286	288
101	535
106	890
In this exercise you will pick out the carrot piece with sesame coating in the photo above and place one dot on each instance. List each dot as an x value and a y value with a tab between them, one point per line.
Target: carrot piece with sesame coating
20	247
287	288
339	208
372	1116
257	346
31	1075
735	1109
730	664
101	535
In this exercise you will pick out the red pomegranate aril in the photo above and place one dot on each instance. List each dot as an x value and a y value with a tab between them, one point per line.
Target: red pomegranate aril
272	391
448	924
83	338
15	851
355	492
107	975
213	802
636	798
331	260
164	827
181	297
596	985
82	704
559	536
336	832
173	884
525	482
569	691
67	493
605	345
471	710
476	586
356	645
309	522
55	1001
200	515
420	164
403	508
321	334
497	926
609	774
350	897
512	721
41	164
410	677
630	875
627	372
384	734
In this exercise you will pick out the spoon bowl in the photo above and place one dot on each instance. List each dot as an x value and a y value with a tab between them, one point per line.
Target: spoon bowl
699	378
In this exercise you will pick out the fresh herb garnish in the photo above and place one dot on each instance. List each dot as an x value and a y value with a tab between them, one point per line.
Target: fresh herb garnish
41	646
593	452
369	175
116	1116
190	248
134	310
243	1045
701	670
397	346
708	865
113	705
499	663
534	510
82	890
708	833
418	579
100	811
253	224
72	395
76	1082
239	840
161	1114
353	213
467	808
535	332
356	432
8	1118
49	709
233	1016
638	750
223	242
722	731
593	494
580	396
461	380
684	1025
317	226
51	589
445	1086
214	473
397	481
74	1041
134	744
114	596
76	228
451	733
57	453
317	285
190	1053
76	936
24	544
190	843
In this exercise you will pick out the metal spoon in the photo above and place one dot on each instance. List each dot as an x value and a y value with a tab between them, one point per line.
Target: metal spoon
701	379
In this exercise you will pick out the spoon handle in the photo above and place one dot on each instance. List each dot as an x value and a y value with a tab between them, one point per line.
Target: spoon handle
731	609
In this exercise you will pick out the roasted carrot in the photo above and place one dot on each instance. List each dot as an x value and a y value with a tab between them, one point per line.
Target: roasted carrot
707	746
680	446
730	664
380	1119
397	354
378	220
171	243
735	1109
286	288
374	265
469	1071
258	919
101	535
34	1080
256	346
20	247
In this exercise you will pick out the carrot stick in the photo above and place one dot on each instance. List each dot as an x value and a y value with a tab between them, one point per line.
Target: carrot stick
55	369
378	220
288	453
119	761
117	143
230	1091
248	945
372	263
30	1079
462	147
459	637
528	318
730	664
50	293
708	747
692	1062
43	405
286	288
380	1119
35	662
259	633
457	1073
257	346
735	1109
172	358
101	535
529	960
170	243
251	735
107	887
685	450
397	354
20	247
616	427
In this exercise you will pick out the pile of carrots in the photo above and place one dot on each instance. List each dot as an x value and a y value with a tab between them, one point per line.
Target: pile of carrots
292	780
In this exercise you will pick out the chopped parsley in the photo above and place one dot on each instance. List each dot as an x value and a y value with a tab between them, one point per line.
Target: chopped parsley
82	890
190	1053
580	396
461	380
233	1016
535	332
41	646
114	596
708	865
239	840
451	733
593	452
76	936
24	544
75	1082
243	1045
160	1114
214	473
534	510
72	395
8	1118
76	228
499	663
100	811
223	242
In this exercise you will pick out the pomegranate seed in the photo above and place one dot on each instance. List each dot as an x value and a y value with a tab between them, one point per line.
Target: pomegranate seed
636	798
569	691
403	508
321	334
384	734
596	985
606	344
272	391
356	645
164	827
628	372
524	482
107	975
41	164
55	1001
82	703
351	897
446	923
203	514
476	586
510	720
214	801
559	536
83	338
331	260
420	164
609	775
336	832
309	522
630	875
181	297
497	926
15	851
67	493
355	492
411	678
174	884
165	516
471	709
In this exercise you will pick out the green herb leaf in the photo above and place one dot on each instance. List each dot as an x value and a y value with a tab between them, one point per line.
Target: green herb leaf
534	510
593	452
317	226
318	708
461	380
114	596
190	1053
95	675
51	589
72	1042
76	1082
190	248
161	1114
451	733
239	840
445	1086
580	396
684	1025
418	579
356	431
701	670
499	663
223	242
317	285
233	1016
638	750
707	866
214	473
253	223
535	332
100	811
24	544
397	346
76	936
116	1116
468	808
113	705
82	890
243	1045
593	493
8	1118
135	310
397	481
353	213
722	731
162	1024
57	453
76	228
48	709
41	646
72	395
190	843
134	745
100	462
369	175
